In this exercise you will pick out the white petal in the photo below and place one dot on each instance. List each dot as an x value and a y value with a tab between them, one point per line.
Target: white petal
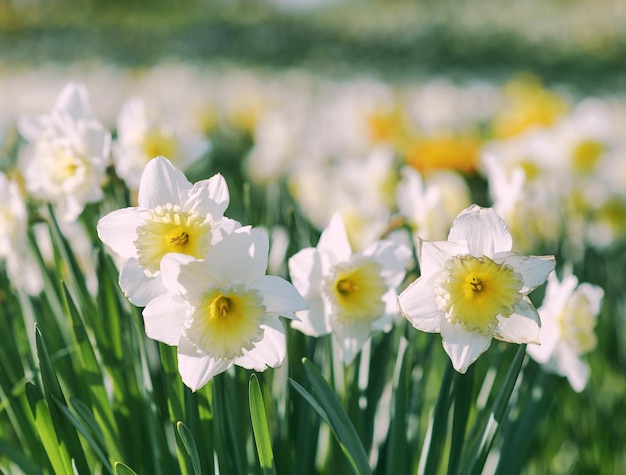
313	322
334	241
417	303
280	297
183	274
305	270
462	347
196	368
222	228
270	351
392	257
241	255
118	230
534	269
573	367
137	286
482	228
209	197
351	338
161	184
164	318
74	101
522	326
434	254
31	128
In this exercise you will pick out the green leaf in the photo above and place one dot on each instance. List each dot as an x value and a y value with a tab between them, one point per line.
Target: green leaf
260	428
26	466
190	446
462	389
327	405
480	450
85	433
52	392
121	469
56	451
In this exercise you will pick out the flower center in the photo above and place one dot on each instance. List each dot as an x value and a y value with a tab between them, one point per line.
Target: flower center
473	291
586	156
356	290
159	141
169	229
227	321
576	324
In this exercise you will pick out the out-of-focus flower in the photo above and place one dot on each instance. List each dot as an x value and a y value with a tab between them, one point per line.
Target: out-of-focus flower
568	317
21	266
444	152
528	104
351	294
140	138
223	310
66	161
429	205
173	216
472	288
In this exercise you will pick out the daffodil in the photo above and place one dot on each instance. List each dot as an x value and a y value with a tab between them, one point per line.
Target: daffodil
172	216
350	294
21	265
223	310
568	317
472	288
140	138
65	163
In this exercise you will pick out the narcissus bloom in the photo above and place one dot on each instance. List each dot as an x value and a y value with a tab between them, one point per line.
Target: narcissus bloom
65	163
351	294
568	317
472	288
223	310
173	216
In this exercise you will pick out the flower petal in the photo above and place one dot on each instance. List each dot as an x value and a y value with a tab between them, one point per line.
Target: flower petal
197	369
351	338
305	270
533	269
161	184
280	297
334	241
209	197
313	322
185	275
482	228
269	351
164	318
241	255
392	257
118	230
137	286
434	254
571	366
417	303
462	347
522	326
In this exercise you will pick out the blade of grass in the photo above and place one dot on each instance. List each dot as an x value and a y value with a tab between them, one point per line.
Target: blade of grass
462	390
190	446
121	469
260	428
327	405
480	450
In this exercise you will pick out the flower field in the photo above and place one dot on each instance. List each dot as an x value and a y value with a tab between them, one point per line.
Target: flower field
263	258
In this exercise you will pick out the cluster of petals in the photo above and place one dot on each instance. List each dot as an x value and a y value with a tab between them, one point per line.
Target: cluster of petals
568	317
68	153
473	288
199	275
350	294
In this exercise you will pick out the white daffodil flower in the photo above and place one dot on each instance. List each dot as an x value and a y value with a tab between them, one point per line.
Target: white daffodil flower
350	294
66	161
140	138
472	288
21	265
568	317
223	310
173	216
